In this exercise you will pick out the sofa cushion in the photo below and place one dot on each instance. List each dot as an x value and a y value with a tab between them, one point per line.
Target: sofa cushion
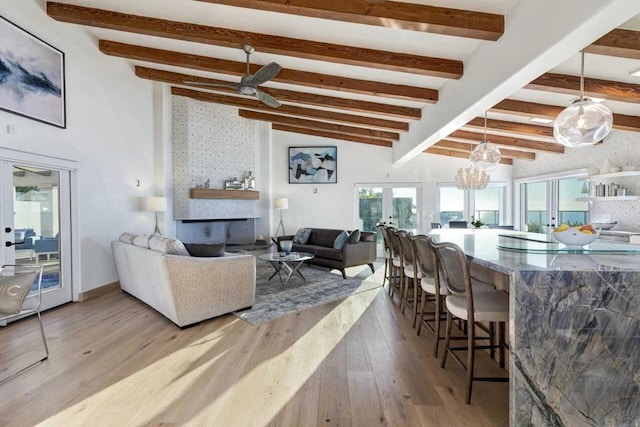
205	250
323	237
167	245
13	291
341	239
127	237
354	236
329	253
302	236
142	241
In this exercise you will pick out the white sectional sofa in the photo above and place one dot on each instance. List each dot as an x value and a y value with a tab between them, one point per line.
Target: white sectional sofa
185	289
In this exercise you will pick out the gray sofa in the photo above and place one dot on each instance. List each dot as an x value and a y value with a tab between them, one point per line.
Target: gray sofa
321	241
183	288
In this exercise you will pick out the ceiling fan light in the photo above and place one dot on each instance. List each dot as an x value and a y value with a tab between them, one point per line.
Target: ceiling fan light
485	156
582	123
247	90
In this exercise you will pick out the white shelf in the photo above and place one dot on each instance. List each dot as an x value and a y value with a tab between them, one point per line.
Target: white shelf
612	175
607	199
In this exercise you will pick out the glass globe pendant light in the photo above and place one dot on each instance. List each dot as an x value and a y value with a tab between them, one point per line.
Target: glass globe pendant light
486	155
584	122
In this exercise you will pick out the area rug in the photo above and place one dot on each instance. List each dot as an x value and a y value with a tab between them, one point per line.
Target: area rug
274	300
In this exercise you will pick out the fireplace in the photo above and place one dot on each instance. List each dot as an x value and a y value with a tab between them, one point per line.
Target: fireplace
236	231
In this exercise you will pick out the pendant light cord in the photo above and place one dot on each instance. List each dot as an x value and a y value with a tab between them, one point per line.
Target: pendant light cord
485	125
582	75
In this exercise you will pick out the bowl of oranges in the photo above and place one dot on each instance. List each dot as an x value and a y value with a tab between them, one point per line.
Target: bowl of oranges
576	236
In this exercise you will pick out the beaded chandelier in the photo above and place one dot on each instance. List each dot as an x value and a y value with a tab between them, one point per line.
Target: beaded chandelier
471	179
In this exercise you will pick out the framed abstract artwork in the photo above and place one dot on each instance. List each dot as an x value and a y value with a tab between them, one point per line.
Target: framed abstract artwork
31	76
313	165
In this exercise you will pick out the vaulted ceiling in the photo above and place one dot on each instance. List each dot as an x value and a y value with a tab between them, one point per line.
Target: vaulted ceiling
379	72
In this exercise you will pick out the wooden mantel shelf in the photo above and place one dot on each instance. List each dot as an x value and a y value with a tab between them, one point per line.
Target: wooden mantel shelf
210	193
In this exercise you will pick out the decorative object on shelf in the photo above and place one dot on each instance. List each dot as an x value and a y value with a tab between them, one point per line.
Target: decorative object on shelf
471	179
249	182
233	184
585	188
486	155
207	183
155	204
280	205
584	122
313	165
35	85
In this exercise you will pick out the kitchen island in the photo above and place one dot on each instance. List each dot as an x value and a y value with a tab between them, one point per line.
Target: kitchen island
574	329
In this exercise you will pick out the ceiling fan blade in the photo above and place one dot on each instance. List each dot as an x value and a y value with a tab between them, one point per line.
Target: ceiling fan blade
230	85
267	99
265	73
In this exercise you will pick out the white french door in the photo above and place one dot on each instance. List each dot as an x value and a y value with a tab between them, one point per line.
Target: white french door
396	205
35	216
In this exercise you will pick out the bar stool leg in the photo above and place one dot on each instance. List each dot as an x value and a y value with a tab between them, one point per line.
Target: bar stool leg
501	327
423	302
447	342
438	313
471	351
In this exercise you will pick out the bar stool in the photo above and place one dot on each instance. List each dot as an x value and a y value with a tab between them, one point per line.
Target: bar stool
464	304
430	285
387	253
411	275
397	265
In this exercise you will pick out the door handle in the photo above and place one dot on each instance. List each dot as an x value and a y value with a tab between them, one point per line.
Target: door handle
9	244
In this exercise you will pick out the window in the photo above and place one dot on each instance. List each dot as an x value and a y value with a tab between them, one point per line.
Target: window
488	204
550	200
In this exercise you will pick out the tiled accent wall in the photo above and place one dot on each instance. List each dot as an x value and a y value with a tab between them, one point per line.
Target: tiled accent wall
621	149
211	141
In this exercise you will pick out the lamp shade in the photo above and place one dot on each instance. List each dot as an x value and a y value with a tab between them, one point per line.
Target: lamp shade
281	204
485	156
155	204
582	123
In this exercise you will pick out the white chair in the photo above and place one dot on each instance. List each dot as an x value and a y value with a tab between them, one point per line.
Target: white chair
18	301
464	304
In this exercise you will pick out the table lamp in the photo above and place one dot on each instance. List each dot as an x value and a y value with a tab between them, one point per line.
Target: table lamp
280	205
155	204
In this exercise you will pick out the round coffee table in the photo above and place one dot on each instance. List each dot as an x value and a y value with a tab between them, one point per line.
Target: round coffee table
289	263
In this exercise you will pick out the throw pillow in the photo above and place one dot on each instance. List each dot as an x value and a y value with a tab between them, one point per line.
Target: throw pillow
354	236
167	245
340	240
13	291
302	236
205	250
142	241
127	237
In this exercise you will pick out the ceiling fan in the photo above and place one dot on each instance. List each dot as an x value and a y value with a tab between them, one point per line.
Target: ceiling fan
249	82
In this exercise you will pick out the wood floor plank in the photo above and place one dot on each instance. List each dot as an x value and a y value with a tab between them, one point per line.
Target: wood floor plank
115	361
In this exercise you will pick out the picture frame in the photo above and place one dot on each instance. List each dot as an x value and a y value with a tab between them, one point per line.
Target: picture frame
32	76
313	165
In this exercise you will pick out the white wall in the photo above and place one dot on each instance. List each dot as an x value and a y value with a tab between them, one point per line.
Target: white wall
621	149
333	205
110	132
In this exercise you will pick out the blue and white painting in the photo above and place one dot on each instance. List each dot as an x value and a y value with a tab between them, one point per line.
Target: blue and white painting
313	165
31	76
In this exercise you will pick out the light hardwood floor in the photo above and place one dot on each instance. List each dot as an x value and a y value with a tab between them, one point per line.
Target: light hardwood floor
357	362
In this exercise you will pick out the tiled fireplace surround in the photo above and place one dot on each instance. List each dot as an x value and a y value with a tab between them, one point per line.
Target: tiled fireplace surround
211	142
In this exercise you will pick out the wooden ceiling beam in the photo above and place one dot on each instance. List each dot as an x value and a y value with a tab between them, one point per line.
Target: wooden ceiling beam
607	89
406	113
393	14
313	124
531	109
468	147
459	154
619	42
291	110
499	127
303	78
509	142
308	49
332	135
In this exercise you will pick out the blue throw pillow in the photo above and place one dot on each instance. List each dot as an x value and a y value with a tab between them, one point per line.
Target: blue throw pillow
302	236
354	236
340	240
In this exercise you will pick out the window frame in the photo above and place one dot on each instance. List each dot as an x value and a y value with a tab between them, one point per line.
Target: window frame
469	200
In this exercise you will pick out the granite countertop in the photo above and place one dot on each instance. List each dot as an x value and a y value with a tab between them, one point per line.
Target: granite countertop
508	251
